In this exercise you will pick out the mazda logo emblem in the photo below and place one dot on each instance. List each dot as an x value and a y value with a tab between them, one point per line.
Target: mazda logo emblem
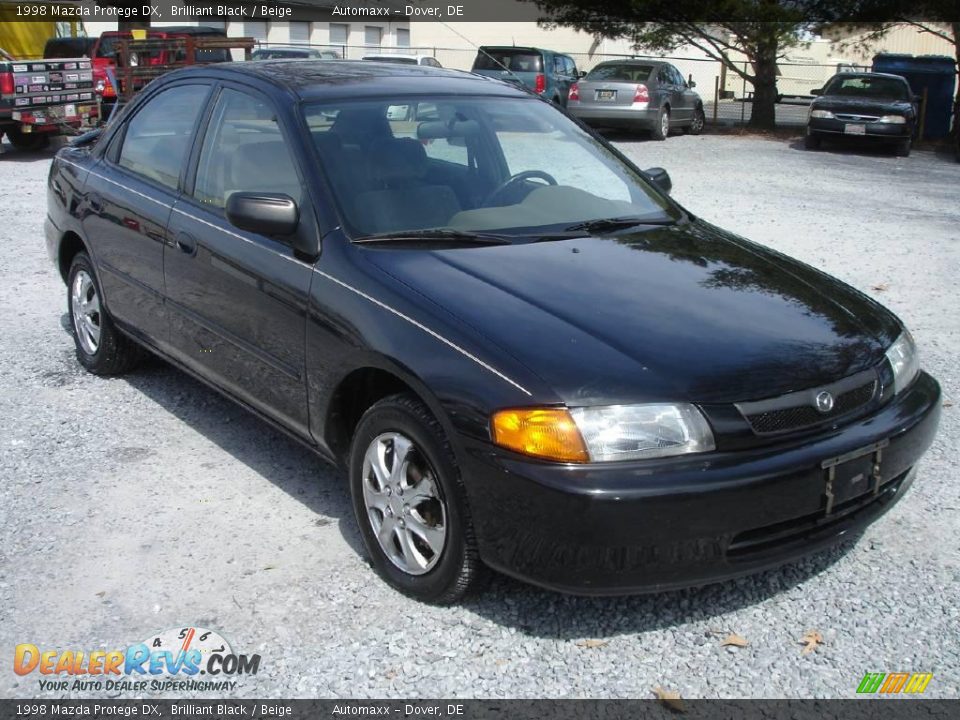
824	401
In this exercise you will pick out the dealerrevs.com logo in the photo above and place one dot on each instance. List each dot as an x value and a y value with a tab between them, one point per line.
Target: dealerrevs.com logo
179	659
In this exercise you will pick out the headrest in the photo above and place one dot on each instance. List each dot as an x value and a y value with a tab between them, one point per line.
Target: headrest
361	126
393	161
328	143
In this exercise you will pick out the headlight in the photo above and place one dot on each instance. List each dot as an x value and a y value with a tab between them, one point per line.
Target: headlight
893	119
631	432
602	434
823	114
904	361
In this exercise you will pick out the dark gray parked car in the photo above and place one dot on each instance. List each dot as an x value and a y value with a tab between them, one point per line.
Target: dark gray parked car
637	95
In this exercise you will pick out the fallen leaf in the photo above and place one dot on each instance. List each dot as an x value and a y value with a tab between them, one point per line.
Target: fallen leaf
670	698
591	643
948	404
270	567
880	287
735	640
812	640
101	593
501	662
390	674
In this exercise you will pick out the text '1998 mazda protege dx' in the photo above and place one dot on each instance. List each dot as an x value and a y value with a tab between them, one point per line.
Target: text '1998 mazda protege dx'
527	356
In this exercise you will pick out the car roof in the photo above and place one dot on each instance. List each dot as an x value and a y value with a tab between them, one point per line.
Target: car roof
406	56
890	76
521	48
632	61
317	79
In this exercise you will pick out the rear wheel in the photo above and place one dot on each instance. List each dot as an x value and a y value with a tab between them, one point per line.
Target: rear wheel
101	348
27	142
661	128
410	502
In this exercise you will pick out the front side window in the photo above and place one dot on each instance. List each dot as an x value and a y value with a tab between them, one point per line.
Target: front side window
243	151
472	164
158	138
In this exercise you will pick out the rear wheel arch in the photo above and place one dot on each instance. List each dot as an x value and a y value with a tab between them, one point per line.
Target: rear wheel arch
70	244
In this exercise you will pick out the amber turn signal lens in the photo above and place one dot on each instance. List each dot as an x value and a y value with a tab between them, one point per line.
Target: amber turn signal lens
543	432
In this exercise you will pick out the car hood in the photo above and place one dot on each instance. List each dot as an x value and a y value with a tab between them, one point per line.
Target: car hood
687	313
879	106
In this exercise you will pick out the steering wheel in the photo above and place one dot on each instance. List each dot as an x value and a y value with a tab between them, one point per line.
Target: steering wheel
513	180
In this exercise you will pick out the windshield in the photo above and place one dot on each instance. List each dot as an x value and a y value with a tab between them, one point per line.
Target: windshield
859	86
516	60
620	72
472	164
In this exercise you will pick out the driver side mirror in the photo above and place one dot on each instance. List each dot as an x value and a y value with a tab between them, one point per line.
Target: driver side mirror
817	91
691	83
659	177
263	213
582	73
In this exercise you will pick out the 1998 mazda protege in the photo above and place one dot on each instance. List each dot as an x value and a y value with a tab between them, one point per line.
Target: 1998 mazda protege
525	353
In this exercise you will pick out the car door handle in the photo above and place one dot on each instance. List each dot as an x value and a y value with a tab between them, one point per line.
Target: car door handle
187	244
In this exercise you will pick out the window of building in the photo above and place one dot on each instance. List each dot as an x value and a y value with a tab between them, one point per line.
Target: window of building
372	35
403	37
339	33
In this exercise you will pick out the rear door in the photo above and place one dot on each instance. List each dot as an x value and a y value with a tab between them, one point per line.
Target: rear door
238	300
128	199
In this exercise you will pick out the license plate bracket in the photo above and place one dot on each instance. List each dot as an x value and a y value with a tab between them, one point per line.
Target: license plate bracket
853	474
855	129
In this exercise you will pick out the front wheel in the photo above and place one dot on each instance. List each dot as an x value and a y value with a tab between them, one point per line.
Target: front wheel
902	148
812	142
101	348
27	142
661	127
410	503
698	122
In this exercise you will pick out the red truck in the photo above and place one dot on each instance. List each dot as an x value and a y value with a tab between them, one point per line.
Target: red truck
41	98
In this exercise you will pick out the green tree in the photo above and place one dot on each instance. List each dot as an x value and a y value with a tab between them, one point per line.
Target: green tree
760	30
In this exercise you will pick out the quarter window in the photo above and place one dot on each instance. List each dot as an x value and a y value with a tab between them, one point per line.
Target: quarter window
158	137
244	151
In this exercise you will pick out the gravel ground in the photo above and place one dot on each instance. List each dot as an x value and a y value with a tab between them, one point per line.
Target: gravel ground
133	505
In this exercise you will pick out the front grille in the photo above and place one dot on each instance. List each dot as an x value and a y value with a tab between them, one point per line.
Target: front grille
803	416
856	118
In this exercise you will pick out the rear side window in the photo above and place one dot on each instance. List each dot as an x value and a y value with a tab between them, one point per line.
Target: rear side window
158	137
244	151
516	60
620	73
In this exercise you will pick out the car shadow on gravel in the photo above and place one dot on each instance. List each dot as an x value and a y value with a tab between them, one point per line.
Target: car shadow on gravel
545	614
277	458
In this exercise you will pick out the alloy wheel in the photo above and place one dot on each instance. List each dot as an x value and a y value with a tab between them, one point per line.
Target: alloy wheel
85	307
664	123
404	506
697	121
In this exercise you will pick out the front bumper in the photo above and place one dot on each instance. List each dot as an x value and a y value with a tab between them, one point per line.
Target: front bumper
622	116
834	127
620	528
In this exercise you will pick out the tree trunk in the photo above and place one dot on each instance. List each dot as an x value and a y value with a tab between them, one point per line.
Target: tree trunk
764	112
956	100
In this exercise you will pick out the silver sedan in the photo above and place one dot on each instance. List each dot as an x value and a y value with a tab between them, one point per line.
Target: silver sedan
637	94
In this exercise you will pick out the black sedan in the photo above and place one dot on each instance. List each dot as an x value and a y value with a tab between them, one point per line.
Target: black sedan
525	354
863	106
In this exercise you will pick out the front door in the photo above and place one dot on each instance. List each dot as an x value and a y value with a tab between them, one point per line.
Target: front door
238	300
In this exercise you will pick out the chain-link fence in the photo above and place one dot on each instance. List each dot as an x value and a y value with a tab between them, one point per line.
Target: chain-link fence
727	96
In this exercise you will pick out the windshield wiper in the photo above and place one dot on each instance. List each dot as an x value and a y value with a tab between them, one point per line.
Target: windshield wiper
605	225
445	236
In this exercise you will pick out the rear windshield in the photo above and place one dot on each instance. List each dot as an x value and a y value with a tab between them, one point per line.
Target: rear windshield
67	48
867	87
276	53
620	73
516	60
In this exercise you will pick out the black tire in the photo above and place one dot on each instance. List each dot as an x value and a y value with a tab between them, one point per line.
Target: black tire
458	568
659	132
902	148
115	353
699	121
812	142
27	142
